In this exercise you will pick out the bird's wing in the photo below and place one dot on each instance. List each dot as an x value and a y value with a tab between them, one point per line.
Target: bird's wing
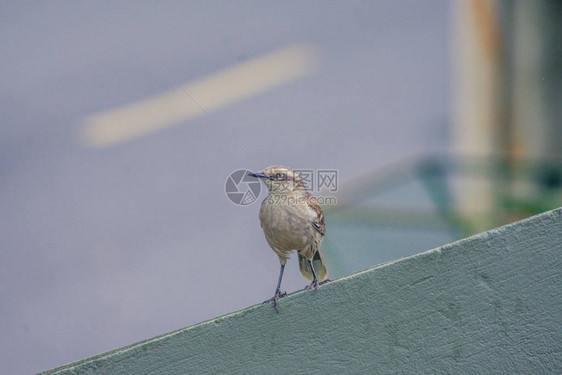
318	223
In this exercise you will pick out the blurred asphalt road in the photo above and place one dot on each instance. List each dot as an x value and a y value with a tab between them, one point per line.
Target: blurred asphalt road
105	246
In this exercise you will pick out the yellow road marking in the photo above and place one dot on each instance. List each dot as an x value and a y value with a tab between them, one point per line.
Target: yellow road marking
209	93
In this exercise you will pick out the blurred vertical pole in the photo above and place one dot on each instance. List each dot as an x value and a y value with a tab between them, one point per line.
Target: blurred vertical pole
478	66
537	109
508	86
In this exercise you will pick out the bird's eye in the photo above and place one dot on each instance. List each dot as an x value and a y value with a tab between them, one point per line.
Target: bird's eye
280	176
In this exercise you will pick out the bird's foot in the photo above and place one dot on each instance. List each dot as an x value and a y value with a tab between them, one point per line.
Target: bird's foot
278	294
315	284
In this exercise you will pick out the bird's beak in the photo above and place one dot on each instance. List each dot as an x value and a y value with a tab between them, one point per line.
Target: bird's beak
258	175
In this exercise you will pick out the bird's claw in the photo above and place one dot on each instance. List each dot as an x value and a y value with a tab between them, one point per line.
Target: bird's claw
315	284
278	294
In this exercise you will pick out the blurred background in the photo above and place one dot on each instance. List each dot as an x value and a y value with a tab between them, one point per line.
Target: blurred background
122	121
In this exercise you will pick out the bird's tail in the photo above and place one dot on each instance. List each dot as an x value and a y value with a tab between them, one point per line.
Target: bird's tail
317	263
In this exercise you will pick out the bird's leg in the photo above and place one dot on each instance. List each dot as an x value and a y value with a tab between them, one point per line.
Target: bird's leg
278	294
314	283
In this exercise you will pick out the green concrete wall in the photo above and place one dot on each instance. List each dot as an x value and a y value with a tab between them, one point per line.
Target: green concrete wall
487	304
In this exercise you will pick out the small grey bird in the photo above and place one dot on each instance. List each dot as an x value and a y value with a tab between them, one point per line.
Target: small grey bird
292	220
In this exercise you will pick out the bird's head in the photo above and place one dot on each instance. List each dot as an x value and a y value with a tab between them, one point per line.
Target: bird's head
279	179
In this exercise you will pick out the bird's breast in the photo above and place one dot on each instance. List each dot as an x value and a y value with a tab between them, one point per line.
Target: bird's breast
287	226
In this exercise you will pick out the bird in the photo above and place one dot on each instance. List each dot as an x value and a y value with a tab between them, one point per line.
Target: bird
292	220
